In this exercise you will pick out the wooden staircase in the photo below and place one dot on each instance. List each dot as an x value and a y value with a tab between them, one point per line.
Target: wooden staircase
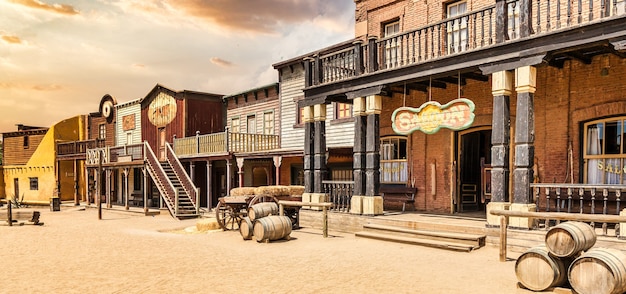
452	238
186	207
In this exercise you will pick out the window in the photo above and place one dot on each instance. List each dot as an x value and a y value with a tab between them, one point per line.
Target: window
129	138
234	125
392	45
343	110
26	142
393	160
300	117
605	155
102	131
268	123
457	27
251	124
34	183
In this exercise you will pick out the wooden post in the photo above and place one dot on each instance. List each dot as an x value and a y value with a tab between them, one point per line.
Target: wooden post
98	186
503	237
9	213
325	221
126	171
281	209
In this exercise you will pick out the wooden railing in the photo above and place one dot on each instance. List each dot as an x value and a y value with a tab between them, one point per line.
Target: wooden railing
224	142
182	176
457	35
164	185
340	194
126	153
578	199
78	147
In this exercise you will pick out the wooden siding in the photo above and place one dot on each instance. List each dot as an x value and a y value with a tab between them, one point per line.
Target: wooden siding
205	116
339	133
94	128
257	107
14	151
121	112
291	85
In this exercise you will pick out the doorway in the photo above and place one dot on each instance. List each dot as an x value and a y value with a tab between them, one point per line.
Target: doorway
474	162
16	188
161	136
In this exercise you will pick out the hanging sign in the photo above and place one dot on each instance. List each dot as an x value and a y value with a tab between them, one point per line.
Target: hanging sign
456	115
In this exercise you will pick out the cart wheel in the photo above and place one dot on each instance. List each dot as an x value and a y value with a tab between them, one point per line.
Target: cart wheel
228	217
263	198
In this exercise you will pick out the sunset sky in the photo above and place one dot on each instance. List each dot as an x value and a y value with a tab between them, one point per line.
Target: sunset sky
59	57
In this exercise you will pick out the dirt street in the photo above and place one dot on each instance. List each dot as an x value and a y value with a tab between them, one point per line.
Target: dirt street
74	252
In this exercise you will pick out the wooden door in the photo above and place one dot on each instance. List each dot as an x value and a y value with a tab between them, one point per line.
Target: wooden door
474	152
16	188
161	136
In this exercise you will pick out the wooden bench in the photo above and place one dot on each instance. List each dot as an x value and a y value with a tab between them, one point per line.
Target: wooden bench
398	193
29	216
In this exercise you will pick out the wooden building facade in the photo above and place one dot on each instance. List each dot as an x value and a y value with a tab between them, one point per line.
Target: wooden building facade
477	105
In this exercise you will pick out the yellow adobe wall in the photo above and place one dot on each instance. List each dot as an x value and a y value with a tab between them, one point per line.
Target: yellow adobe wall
42	165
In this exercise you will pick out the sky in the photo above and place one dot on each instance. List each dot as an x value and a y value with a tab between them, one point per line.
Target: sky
58	58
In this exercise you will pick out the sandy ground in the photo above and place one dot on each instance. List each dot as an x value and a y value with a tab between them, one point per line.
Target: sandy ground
74	252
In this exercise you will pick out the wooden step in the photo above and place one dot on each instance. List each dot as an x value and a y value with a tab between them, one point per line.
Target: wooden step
475	240
417	241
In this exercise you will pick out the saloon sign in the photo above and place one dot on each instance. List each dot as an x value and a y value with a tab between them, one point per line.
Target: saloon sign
456	115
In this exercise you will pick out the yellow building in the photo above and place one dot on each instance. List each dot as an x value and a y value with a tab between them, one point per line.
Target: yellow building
31	170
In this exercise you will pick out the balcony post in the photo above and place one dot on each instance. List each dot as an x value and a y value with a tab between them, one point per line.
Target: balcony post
309	139
227	139
372	54
240	171
317	70
358	58
209	191
308	72
525	86
360	129
501	89
525	18
502	21
197	142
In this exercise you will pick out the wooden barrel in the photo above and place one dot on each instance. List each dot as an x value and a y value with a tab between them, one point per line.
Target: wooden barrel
246	228
272	228
599	271
263	209
570	238
538	270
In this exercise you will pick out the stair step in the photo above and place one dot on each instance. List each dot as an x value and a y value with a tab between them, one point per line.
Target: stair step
464	238
417	241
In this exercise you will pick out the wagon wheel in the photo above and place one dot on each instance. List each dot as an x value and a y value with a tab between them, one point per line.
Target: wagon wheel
263	198
229	217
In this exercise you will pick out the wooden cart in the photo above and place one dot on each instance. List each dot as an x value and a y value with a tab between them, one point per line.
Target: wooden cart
231	210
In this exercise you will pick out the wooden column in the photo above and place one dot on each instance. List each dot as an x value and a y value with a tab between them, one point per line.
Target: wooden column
372	148
76	200
502	21
192	171
145	189
277	162
525	86
229	168
209	191
240	171
309	140
360	128
502	88
319	147
126	193
107	173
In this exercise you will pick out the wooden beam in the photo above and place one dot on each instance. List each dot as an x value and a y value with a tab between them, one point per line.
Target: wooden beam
453	80
476	76
579	56
434	84
599	218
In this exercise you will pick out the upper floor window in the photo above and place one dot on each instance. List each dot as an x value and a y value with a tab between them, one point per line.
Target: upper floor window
234	125
300	116
26	142
393	160
343	110
604	154
102	131
457	27
251	124
392	45
268	123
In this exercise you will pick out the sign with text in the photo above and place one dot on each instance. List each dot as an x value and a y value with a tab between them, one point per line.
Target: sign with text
429	118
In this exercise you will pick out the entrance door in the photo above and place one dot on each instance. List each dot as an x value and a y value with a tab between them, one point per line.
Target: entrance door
16	188
474	151
161	136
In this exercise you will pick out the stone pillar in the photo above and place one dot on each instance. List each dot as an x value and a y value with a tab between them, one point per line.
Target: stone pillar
525	86
309	130
501	89
373	202
240	171
319	154
209	191
360	129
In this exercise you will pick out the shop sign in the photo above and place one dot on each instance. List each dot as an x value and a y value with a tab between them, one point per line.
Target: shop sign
429	118
162	110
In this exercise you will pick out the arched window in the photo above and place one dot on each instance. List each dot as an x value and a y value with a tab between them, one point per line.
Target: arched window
393	160
604	152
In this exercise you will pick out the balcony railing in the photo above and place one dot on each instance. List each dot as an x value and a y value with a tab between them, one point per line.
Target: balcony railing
225	142
78	148
118	154
579	198
463	33
340	194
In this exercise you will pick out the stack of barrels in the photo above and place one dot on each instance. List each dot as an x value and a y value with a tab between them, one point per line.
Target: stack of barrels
567	258
264	224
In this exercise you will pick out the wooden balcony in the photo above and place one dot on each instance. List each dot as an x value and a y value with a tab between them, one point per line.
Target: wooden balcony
118	155
548	30
77	149
224	143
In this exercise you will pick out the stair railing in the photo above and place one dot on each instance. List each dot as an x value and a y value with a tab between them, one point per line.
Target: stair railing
183	177
165	186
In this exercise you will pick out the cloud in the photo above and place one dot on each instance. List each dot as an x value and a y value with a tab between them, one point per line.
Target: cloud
12	39
221	62
49	87
56	8
23	86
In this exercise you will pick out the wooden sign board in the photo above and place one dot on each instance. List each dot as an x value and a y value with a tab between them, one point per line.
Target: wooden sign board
429	118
